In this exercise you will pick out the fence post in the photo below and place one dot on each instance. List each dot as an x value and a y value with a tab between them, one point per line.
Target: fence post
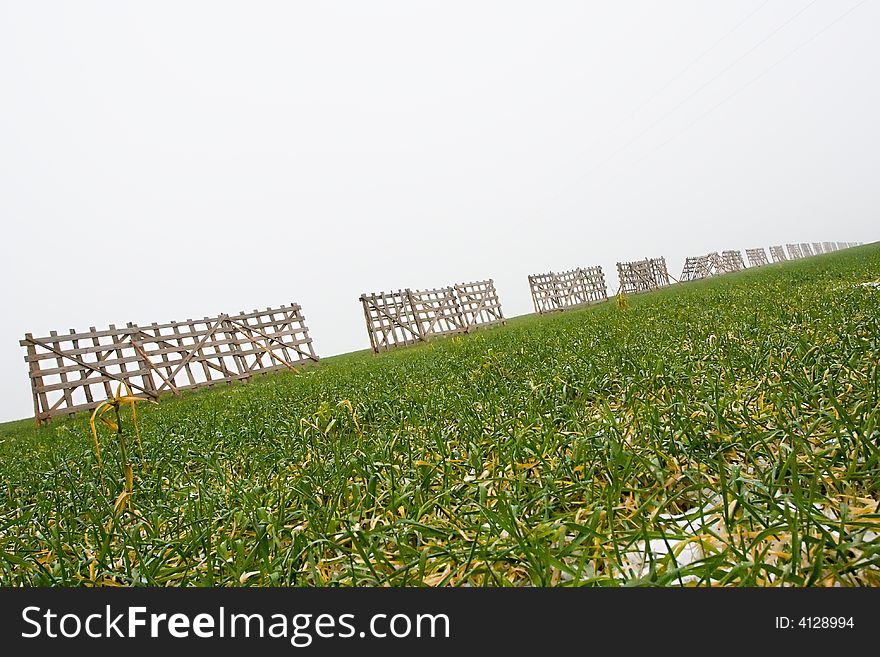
365	304
36	380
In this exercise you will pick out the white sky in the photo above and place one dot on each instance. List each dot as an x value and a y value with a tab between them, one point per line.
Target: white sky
168	160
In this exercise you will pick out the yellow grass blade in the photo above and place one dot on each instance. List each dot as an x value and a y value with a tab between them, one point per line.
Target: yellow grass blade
95	433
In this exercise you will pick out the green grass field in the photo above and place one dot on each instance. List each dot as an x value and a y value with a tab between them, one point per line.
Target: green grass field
722	432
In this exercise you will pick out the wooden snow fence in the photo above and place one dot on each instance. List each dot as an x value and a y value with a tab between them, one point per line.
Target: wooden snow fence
642	275
778	254
757	257
699	267
408	316
711	264
569	289
77	371
732	261
794	251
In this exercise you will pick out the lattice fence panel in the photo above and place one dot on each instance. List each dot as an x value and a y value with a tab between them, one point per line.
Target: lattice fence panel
390	319
479	303
697	267
732	261
436	311
757	257
642	275
595	287
270	339
544	294
569	289
77	371
190	354
777	253
409	316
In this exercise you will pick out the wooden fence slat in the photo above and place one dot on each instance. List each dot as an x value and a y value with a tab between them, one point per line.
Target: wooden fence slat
68	398
39	394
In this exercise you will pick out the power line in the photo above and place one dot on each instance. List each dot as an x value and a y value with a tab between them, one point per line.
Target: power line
678	75
757	45
736	61
752	81
694	61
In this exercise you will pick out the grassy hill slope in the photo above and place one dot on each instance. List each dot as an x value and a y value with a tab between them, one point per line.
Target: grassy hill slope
718	432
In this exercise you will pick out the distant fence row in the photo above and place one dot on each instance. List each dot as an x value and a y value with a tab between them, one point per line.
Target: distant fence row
77	371
757	257
409	316
806	249
713	264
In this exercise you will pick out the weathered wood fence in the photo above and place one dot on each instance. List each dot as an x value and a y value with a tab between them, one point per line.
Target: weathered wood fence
699	267
712	264
642	275
732	261
569	289
757	257
77	371
408	316
778	254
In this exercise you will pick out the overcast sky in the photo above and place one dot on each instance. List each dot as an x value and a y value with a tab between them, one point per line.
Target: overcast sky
167	160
